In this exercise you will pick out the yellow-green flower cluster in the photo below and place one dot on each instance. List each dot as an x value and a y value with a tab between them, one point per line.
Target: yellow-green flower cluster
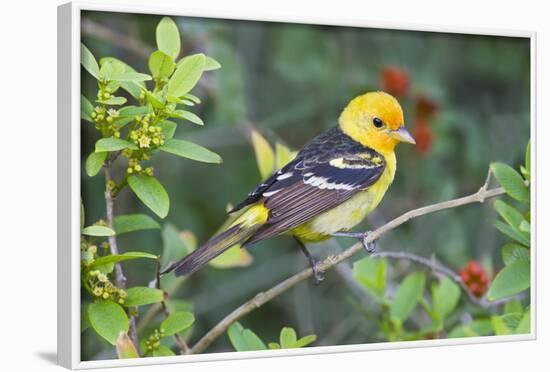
102	287
135	168
153	341
147	134
105	120
89	252
104	93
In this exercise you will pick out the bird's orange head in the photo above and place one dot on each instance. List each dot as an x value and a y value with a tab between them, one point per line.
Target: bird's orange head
375	119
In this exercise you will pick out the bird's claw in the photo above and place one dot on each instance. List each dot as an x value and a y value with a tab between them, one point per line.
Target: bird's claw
370	247
318	275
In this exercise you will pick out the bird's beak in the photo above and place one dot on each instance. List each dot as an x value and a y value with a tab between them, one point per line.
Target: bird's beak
403	135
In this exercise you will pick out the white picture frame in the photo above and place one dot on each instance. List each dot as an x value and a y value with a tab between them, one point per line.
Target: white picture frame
69	186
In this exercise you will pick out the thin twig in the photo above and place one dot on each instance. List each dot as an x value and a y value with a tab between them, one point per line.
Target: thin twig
440	268
123	41
261	298
120	278
182	344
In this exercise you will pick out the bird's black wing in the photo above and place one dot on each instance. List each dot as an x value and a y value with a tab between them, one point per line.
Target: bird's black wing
327	172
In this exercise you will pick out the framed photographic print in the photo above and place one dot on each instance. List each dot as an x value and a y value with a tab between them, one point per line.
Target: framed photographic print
235	187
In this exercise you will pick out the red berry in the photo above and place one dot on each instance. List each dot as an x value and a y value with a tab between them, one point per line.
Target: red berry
423	135
475	278
395	81
425	107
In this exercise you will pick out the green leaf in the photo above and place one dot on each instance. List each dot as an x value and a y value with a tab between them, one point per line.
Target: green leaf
186	102
186	76
528	156
82	216
114	258
156	100
110	68
168	128
161	65
173	247
512	279
190	150
508	213
108	319
125	348
121	122
244	339
265	158
94	162
177	322
211	64
525	227
113	144
518	236
524	325
140	296
84	321
168	37
511	181
306	340
132	87
478	327
134	222
88	61
192	98
86	109
407	296
151	193
512	252
114	101
445	297
162	350
187	115
283	155
97	231
131	76
371	274
288	338
500	326
133	111
273	346
513	306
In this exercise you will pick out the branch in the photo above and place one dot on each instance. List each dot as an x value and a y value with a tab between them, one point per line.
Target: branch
120	279
179	340
442	269
261	298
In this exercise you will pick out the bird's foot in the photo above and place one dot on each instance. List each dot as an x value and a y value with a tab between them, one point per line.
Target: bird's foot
318	275
370	246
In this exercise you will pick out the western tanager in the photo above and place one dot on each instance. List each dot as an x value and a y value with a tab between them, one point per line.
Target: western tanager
334	182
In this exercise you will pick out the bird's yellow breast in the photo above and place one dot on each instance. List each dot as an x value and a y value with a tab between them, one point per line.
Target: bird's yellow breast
351	212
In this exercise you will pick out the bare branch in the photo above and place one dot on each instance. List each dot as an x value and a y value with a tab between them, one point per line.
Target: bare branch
440	268
118	39
179	340
120	279
261	298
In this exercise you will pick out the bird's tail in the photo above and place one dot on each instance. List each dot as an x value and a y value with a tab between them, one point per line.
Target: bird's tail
242	229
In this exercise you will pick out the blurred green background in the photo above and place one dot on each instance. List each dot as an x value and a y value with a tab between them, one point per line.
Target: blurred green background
291	81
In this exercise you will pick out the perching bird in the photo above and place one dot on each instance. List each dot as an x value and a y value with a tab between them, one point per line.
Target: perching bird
332	184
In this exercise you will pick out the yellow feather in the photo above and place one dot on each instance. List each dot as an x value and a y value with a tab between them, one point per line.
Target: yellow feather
253	216
350	213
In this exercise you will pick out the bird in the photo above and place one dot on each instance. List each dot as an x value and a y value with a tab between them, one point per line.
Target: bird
333	183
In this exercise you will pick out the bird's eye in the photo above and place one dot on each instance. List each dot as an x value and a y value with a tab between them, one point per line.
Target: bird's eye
377	122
